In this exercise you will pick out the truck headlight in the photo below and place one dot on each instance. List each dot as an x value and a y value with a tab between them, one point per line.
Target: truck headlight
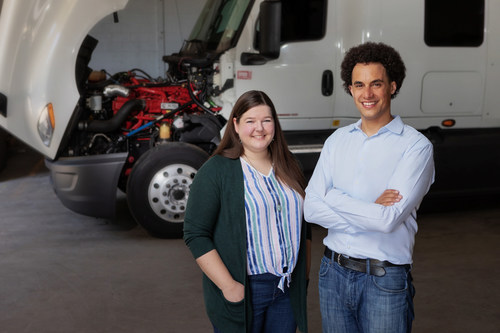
46	124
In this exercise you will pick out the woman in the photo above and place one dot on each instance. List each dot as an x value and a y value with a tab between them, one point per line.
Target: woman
243	225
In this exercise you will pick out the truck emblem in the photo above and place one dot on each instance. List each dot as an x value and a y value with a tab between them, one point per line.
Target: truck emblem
244	75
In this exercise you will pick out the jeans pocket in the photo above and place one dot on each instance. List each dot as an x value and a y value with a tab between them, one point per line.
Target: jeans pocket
394	280
324	267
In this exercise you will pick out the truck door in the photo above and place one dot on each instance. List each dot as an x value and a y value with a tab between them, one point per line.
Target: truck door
300	79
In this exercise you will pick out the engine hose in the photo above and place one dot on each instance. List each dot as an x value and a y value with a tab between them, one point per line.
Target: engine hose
105	126
197	102
114	90
164	116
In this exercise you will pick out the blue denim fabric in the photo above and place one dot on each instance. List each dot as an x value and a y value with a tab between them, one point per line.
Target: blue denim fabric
352	301
272	310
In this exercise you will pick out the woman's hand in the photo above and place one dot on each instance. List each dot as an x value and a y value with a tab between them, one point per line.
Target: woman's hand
211	264
234	292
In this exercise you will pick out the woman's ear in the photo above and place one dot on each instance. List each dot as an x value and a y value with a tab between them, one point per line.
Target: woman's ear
235	123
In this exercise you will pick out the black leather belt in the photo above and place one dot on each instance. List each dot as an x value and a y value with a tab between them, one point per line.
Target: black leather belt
359	265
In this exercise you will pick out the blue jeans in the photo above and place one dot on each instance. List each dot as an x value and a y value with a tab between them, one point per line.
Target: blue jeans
352	301
271	308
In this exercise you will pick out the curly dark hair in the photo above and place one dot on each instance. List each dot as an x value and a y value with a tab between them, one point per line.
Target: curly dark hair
374	52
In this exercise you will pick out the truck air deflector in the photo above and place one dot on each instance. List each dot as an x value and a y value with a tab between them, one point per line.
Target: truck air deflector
87	185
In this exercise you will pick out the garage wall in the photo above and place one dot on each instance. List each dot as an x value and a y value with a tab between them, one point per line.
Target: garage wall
147	30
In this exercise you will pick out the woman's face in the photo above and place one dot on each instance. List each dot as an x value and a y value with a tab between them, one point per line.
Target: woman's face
255	128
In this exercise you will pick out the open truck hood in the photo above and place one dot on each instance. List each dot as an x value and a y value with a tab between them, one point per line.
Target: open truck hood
39	44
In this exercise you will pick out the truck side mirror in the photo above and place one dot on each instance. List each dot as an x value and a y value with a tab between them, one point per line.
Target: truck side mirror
270	35
270	29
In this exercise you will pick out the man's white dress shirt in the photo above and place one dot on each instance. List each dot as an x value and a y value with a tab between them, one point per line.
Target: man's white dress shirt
352	172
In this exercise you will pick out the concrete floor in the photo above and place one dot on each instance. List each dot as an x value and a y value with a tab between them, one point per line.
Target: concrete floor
64	272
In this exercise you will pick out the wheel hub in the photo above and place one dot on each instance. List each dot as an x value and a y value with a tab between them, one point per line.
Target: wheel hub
169	191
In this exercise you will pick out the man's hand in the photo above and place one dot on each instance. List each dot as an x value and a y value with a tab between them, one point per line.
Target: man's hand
389	198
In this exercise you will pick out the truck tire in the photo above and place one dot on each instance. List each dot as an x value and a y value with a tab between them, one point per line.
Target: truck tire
158	187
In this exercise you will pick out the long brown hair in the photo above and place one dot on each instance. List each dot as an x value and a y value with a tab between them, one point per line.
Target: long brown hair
286	167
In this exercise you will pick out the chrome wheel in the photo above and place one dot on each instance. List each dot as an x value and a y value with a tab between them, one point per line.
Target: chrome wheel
169	191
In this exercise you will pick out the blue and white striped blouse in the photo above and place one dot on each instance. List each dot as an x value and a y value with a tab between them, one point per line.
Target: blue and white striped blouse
274	217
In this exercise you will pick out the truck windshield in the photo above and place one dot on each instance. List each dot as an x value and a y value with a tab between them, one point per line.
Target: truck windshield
217	27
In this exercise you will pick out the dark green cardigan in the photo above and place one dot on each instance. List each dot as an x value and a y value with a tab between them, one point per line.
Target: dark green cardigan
215	219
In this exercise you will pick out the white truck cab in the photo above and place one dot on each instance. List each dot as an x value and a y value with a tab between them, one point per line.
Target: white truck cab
148	136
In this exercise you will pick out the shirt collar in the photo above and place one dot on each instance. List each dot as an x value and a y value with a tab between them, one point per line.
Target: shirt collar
395	126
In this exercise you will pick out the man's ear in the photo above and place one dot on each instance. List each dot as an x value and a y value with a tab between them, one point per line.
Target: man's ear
393	87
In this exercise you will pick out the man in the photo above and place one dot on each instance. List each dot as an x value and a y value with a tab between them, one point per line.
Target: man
369	181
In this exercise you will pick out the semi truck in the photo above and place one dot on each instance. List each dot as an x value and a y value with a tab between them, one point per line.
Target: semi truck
104	133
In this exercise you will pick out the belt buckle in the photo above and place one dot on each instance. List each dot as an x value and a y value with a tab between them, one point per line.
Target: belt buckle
338	259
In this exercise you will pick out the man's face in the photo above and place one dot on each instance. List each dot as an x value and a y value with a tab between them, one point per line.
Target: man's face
372	92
